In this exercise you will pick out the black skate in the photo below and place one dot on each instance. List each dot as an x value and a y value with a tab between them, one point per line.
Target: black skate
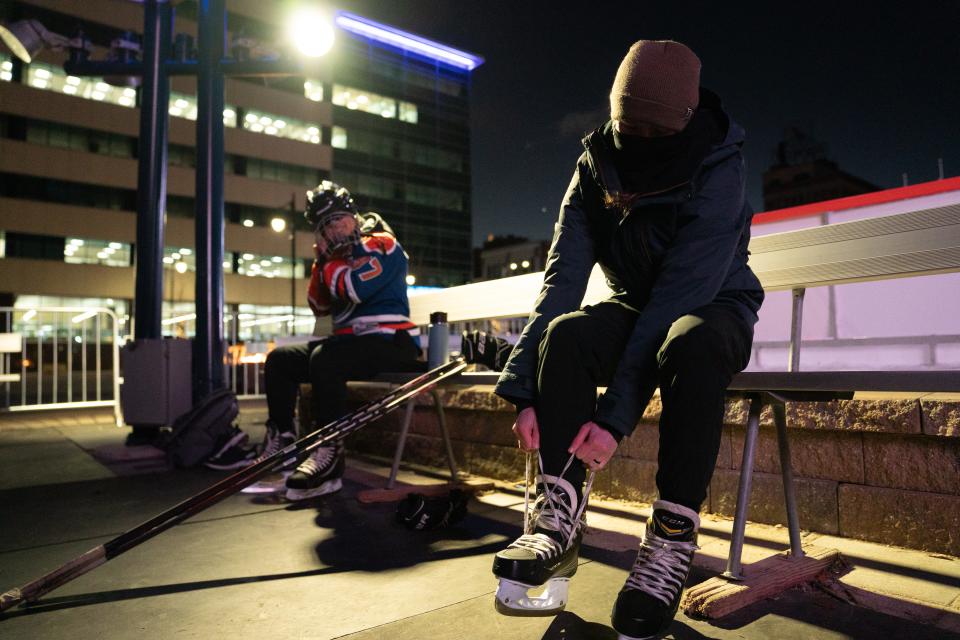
274	441
648	601
546	554
232	453
318	475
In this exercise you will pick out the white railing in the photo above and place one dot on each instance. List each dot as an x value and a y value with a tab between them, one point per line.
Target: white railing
59	358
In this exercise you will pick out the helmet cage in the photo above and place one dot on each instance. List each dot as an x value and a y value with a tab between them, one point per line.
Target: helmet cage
331	236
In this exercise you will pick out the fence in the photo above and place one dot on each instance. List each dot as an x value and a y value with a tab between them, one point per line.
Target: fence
59	358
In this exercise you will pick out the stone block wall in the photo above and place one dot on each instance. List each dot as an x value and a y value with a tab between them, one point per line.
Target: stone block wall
884	471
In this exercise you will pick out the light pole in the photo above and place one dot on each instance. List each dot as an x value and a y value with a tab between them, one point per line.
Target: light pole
278	224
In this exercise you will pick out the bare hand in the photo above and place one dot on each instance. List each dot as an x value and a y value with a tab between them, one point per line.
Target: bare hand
527	430
593	446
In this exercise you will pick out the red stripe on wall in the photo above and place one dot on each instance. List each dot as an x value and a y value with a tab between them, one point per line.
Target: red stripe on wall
863	200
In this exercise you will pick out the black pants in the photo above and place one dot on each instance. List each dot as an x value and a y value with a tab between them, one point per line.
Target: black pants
700	354
328	365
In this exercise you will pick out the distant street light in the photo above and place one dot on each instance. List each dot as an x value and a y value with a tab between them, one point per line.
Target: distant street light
411	280
181	267
278	224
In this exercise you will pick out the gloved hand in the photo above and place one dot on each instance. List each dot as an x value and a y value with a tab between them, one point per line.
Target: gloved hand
480	347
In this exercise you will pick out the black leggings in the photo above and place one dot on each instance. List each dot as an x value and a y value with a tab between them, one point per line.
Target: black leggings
702	351
328	365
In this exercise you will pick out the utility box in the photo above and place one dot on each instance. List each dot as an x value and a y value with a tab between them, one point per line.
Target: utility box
157	385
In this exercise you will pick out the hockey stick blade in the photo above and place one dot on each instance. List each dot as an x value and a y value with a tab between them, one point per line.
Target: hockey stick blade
228	486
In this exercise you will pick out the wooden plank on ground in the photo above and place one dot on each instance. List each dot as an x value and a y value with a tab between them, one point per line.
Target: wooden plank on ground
719	596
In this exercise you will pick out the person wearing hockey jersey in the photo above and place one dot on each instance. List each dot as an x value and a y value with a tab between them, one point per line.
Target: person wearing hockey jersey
358	278
657	200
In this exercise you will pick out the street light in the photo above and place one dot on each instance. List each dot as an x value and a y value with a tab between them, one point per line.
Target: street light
311	32
279	224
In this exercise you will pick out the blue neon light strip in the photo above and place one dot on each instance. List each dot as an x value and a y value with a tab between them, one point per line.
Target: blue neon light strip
406	41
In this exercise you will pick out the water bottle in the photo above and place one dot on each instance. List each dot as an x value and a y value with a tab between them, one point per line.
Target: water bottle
438	346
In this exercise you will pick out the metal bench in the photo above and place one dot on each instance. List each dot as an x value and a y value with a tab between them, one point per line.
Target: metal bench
911	244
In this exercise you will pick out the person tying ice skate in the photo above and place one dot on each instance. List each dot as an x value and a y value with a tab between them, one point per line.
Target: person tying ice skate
657	200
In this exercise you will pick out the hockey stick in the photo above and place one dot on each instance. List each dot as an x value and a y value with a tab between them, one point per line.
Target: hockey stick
226	487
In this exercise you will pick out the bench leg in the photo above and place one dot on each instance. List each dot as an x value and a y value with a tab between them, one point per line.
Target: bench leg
401	441
793	521
743	491
442	420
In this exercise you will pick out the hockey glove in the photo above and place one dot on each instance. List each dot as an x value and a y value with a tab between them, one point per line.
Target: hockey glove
480	347
419	513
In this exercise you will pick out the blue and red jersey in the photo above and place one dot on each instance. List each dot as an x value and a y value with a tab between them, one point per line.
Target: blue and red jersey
367	292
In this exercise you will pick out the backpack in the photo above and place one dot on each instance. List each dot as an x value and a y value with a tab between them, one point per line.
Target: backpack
195	435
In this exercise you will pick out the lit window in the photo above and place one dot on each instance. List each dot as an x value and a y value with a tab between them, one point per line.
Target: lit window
408	112
51	78
366	101
313	90
6	68
110	254
339	138
281	126
179	259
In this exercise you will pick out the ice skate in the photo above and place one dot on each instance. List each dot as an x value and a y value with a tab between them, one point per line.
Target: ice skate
274	441
232	453
535	570
318	475
649	599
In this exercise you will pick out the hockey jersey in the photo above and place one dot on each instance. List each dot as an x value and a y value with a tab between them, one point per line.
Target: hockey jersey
367	292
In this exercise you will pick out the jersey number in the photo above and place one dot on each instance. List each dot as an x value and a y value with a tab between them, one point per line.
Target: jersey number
373	272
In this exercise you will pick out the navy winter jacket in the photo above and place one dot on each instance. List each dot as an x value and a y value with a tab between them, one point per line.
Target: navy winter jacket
669	254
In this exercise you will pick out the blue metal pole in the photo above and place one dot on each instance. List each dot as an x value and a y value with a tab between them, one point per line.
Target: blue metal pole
152	171
208	351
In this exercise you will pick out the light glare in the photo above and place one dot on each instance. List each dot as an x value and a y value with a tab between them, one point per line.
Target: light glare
311	32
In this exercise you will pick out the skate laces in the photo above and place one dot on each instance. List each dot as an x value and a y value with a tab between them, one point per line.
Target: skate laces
318	461
661	566
272	443
557	512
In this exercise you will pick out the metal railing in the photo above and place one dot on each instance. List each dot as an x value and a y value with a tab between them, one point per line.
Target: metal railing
68	357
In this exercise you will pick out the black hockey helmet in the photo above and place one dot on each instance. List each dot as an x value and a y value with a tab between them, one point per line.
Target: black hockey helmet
327	207
328	199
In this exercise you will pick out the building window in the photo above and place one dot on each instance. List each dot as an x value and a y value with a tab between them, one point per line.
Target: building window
183	105
52	78
265	266
313	90
338	139
281	126
86	251
6	68
408	112
369	102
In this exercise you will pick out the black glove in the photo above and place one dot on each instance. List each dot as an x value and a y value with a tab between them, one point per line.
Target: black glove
480	347
419	513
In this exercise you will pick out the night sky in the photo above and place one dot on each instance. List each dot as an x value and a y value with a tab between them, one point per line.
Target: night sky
879	83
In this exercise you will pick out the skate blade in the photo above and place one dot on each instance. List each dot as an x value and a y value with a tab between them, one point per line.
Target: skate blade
330	486
519	599
274	483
